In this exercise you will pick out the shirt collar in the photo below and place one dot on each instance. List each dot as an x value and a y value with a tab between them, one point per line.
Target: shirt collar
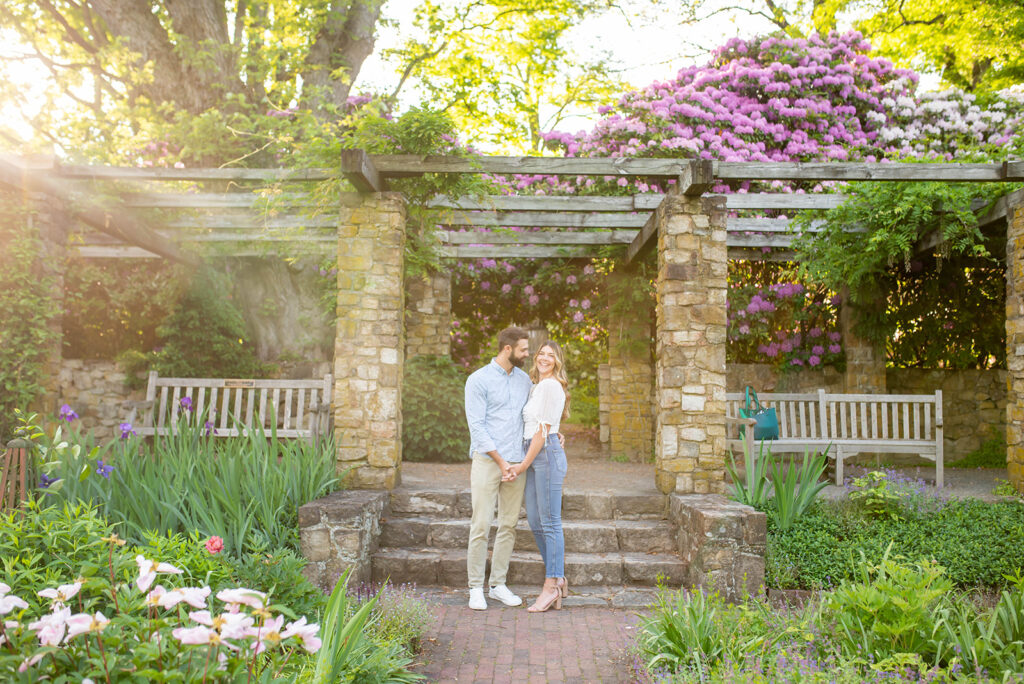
497	367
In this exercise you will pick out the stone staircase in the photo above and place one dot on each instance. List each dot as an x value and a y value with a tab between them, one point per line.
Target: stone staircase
613	539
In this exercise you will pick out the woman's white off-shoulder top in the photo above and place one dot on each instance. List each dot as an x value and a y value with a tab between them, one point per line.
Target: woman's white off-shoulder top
544	408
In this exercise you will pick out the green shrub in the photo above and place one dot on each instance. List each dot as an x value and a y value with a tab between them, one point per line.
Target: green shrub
203	337
889	610
991	453
400	616
793	489
977	543
433	411
585	408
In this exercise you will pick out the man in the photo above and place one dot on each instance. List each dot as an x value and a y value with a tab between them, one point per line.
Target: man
495	396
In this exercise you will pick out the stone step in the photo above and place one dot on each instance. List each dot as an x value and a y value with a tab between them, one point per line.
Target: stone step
447	567
583	536
456	503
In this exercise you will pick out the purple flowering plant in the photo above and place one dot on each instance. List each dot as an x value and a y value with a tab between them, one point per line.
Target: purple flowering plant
788	324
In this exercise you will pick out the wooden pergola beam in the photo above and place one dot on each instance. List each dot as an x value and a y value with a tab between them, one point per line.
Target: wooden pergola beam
119	224
358	169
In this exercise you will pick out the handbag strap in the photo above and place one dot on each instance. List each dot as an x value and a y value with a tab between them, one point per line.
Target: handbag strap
756	402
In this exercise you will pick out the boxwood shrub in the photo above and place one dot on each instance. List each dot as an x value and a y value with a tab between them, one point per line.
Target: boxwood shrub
977	542
433	411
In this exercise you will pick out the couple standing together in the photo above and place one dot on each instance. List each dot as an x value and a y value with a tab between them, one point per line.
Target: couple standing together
517	453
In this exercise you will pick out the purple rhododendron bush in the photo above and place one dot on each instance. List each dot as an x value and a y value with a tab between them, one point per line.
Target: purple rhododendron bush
764	99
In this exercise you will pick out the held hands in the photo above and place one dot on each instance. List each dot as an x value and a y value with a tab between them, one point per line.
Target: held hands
511	471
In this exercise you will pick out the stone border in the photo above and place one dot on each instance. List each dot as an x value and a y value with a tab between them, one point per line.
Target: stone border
723	543
341	531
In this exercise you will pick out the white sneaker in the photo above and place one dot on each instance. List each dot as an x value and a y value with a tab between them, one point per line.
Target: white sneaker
477	600
502	593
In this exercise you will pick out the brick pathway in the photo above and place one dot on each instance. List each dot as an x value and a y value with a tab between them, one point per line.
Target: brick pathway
575	644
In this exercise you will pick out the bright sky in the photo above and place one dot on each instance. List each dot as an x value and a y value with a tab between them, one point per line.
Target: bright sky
646	42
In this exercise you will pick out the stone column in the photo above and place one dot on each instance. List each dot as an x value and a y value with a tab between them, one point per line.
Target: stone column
368	346
428	315
627	396
1015	340
865	361
690	345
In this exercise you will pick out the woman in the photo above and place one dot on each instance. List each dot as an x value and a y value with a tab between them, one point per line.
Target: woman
545	468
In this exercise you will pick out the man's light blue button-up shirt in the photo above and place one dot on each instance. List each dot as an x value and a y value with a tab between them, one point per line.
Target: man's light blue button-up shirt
494	411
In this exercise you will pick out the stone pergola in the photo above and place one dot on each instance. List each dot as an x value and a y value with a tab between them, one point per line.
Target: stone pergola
695	234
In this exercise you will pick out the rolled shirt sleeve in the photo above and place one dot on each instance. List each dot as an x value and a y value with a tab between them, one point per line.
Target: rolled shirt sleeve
476	416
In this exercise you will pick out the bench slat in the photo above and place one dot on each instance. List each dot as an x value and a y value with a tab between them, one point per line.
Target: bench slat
234	383
288	408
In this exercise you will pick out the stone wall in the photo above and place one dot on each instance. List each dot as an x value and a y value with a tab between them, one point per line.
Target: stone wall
722	542
96	390
369	348
340	531
690	336
865	361
973	403
1015	340
765	377
428	316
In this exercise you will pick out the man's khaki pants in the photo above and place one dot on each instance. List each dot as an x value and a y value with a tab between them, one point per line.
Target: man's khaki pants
486	487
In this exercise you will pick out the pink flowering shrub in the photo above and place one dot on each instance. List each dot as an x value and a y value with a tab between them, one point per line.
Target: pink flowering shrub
104	626
785	324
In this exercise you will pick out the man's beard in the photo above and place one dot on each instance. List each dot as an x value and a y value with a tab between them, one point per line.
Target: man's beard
518	363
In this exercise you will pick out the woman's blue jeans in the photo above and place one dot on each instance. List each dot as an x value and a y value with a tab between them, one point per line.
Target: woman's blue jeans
544	504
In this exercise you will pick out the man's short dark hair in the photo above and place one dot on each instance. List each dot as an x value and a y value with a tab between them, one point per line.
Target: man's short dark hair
509	337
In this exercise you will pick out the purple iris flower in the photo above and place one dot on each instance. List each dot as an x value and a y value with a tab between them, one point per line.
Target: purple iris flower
104	470
126	430
67	413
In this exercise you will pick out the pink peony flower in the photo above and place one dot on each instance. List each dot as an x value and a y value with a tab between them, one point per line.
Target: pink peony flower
30	662
84	623
196	636
268	635
304	634
230	625
215	544
148	570
193	596
50	629
9	603
243	597
61	594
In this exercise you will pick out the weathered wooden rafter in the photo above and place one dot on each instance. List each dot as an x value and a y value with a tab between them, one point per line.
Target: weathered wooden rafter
117	223
593	222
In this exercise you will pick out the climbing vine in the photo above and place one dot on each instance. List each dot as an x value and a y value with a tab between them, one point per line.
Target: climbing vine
29	311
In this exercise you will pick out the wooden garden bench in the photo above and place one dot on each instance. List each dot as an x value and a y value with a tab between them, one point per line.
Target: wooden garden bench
850	423
296	408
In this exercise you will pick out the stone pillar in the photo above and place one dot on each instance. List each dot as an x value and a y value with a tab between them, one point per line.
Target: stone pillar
368	347
865	361
630	381
690	345
428	315
1015	340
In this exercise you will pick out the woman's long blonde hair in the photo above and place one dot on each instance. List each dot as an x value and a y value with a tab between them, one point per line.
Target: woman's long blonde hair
559	373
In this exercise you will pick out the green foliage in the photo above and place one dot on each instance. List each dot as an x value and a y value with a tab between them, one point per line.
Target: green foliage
752	488
877	496
889	610
400	616
796	488
26	282
113	306
75	549
793	489
246	490
348	653
894	621
506	72
991	453
943	308
204	337
978	543
433	411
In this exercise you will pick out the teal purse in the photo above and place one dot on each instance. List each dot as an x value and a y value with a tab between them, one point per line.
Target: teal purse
767	426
